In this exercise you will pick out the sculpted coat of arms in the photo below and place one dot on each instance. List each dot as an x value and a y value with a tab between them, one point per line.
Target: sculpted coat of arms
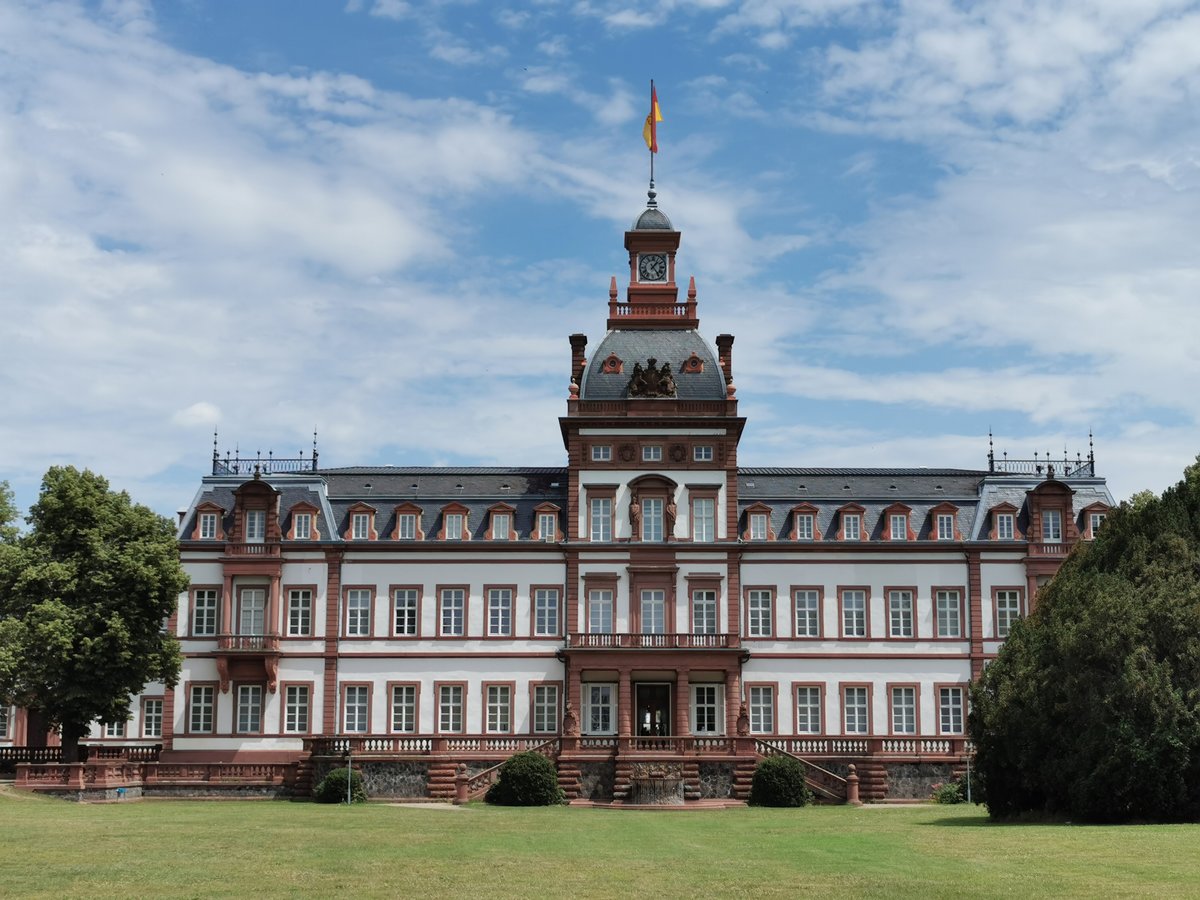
652	381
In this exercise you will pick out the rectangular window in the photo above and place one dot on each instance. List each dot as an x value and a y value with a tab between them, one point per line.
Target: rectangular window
598	708
299	612
1008	610
758	526
904	710
450	708
1004	526
1051	526
256	526
358	613
406	612
852	527
899	527
601	518
500	608
601	453
296	704
454	527
652	519
249	709
654	612
706	709
949	614
200	707
808	610
760	612
545	708
252	611
900	614
600	612
855	712
499	709
302	527
404	708
762	709
704	612
357	707
454	607
1095	520
652	453
545	612
950	710
360	524
804	527
501	526
152	718
808	710
854	614
208	526
4	722
945	527
114	729
702	453
548	527
406	527
204	613
704	519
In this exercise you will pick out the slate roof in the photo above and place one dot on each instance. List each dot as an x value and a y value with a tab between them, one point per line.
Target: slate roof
665	346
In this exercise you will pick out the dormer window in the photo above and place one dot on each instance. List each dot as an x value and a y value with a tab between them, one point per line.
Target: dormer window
898	523
758	527
602	453
898	527
1051	526
406	527
256	526
500	523
302	526
804	527
546	517
453	530
208	526
1004	526
360	526
850	522
1095	520
758	523
945	522
804	523
945	527
652	453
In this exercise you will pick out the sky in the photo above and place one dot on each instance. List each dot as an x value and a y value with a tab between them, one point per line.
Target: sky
923	220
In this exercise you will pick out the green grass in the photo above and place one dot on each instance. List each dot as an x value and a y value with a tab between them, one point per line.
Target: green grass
53	848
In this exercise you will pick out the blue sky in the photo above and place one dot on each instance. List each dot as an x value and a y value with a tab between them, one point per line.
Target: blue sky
381	219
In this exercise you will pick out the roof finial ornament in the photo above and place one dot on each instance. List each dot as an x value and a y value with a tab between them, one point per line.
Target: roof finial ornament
651	194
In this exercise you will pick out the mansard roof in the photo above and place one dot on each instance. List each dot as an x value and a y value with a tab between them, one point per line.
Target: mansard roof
662	345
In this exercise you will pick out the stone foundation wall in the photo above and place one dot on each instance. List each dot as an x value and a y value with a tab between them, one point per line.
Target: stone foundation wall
915	781
716	781
596	780
385	779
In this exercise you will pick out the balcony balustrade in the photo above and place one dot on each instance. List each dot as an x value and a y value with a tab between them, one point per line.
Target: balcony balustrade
631	641
248	643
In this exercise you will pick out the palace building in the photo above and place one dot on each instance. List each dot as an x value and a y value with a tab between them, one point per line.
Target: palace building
650	615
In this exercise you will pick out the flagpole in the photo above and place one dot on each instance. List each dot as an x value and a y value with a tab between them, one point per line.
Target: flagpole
653	127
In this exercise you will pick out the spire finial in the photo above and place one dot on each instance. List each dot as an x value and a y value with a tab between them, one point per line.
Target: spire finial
651	195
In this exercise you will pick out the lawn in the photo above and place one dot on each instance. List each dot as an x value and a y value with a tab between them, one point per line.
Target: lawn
53	848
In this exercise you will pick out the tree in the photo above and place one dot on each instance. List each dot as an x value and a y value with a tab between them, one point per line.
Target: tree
1092	708
8	515
84	596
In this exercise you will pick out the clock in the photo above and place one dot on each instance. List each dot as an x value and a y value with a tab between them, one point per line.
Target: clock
652	267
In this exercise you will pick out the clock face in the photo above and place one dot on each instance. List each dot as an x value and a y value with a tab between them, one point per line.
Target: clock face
652	267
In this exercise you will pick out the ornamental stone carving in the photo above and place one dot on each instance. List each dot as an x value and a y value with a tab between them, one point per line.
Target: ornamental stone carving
652	381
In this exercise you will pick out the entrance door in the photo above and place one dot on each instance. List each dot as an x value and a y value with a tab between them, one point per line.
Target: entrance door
652	710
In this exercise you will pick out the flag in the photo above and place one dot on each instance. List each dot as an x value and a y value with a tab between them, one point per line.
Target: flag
650	129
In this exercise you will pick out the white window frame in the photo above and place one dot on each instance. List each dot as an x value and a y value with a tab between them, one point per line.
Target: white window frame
805	526
451	708
360	526
297	709
114	729
302	526
856	710
455	525
760	613
652	606
1052	526
501	526
453	618
903	699
406	527
1005	526
901	614
652	519
548	527
950	710
704	611
545	708
208	526
704	519
356	709
600	519
601	611
898	526
202	708
358	612
406	612
498	709
652	453
854	613
545	612
500	612
852	527
808	709
807	606
702	453
599	708
204	612
707	712
945	527
948	613
5	720
249	711
252	611
404	708
256	526
1008	609
762	709
300	609
601	453
758	526
152	718
1095	521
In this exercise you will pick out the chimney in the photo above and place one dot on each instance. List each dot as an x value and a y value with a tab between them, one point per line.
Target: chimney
578	360
725	353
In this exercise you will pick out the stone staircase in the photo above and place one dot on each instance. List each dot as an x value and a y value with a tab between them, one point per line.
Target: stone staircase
570	779
441	781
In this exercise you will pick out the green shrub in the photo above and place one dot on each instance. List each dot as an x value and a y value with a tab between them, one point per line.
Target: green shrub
950	792
526	779
779	781
332	788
